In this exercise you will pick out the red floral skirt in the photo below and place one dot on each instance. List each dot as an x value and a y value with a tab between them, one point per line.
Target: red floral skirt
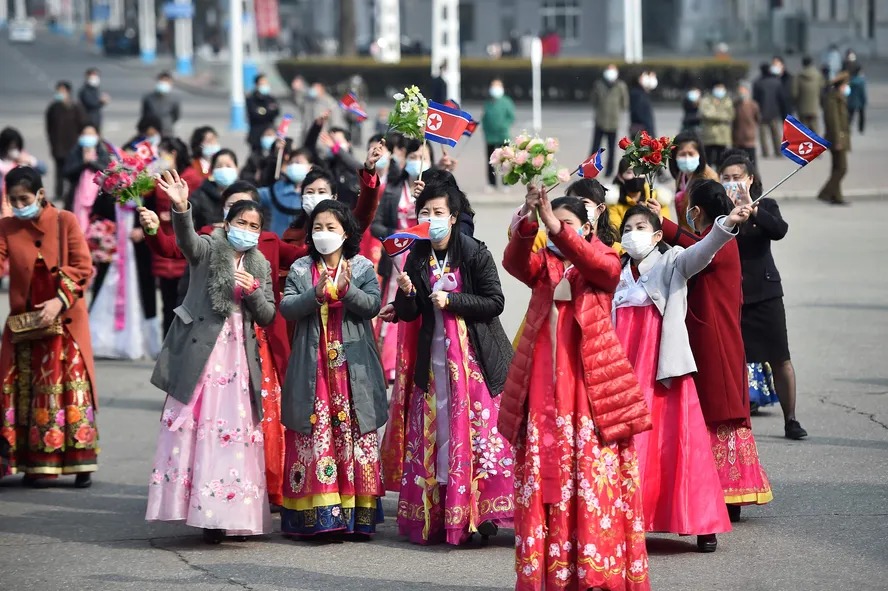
736	458
272	429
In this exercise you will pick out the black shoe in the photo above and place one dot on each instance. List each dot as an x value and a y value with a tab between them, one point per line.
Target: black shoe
488	529
274	508
83	480
707	543
837	202
213	536
753	408
734	513
793	430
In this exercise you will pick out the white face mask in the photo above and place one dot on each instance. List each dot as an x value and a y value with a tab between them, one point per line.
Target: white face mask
327	242
610	75
309	202
592	213
638	243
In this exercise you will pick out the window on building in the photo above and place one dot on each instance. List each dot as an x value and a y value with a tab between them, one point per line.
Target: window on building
563	17
466	23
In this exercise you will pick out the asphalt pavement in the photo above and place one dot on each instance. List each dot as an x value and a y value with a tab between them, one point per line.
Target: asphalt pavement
827	527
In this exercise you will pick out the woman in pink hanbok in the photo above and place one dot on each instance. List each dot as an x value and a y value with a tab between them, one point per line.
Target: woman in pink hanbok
209	467
457	470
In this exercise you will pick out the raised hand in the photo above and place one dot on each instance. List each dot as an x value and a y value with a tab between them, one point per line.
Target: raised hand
148	220
739	215
655	207
547	216
344	278
321	287
418	186
373	155
531	200
175	188
326	139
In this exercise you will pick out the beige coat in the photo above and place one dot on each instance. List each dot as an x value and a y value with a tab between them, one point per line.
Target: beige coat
717	116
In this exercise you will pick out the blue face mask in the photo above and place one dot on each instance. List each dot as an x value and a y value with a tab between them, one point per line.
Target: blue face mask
382	163
264	89
59	96
163	87
267	141
415	168
28	212
551	245
439	228
210	150
241	239
688	164
154	140
224	176
297	172
88	141
690	220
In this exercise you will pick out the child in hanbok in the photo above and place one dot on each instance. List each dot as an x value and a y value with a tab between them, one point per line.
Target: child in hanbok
209	467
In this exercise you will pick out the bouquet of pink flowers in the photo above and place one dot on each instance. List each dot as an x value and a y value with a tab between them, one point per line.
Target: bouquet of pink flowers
101	237
528	160
126	179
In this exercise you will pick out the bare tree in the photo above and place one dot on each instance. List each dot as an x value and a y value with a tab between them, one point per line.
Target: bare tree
347	29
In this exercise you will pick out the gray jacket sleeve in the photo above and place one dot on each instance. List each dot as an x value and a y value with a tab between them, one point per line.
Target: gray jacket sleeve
694	259
297	304
193	247
261	301
363	297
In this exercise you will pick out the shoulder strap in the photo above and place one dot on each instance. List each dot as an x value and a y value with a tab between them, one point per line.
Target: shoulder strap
61	243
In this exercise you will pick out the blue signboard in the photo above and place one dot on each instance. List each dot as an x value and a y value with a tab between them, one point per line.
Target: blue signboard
175	10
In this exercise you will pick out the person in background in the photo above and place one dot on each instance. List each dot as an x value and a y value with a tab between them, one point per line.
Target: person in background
807	89
355	126
262	112
261	158
496	122
12	154
573	528
173	155
148	129
88	157
690	106
334	398
857	99
687	164
716	116
850	63
64	120
610	99
768	92
715	300
160	104
206	202
48	401
282	198
204	144
302	111
321	103
747	118
439	85
451	286
641	110
838	132
833	61
92	98
218	383
763	317
787	81
389	173
335	152
630	190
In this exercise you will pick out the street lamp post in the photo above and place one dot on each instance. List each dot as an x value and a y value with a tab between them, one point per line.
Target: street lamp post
147	31
632	45
184	42
536	62
21	10
236	48
445	44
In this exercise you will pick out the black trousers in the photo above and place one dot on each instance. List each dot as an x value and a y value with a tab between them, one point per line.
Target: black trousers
59	178
491	172
861	123
169	295
714	155
147	285
611	137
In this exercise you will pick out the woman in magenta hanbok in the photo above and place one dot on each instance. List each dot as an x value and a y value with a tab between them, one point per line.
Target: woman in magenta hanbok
457	469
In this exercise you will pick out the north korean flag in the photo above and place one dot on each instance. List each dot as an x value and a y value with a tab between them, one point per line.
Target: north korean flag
284	126
146	151
350	104
591	167
470	128
800	144
402	240
445	125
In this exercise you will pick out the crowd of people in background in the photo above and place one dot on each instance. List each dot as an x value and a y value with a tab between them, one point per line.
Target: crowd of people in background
658	310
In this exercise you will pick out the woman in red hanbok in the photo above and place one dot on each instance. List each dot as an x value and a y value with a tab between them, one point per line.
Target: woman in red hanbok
572	417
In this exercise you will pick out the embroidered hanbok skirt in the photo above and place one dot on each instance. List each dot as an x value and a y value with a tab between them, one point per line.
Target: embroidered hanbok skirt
761	385
743	479
209	467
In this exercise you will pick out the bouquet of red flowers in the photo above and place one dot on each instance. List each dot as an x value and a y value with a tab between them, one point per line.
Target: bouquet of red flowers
647	155
101	237
126	179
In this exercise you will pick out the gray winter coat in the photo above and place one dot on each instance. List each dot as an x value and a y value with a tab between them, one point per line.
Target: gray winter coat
208	303
362	303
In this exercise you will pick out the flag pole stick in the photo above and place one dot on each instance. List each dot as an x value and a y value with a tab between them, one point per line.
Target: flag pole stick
280	161
769	191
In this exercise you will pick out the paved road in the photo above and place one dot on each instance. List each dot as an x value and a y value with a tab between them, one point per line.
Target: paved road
827	527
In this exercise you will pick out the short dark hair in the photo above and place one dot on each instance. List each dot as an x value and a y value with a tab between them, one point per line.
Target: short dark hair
147	122
243	206
64	84
319	172
641	210
9	137
86	124
375	139
440	183
687	137
197	138
219	154
301	151
807	61
346	218
91	71
343	131
258	77
23	176
165	75
710	196
174	144
573	205
741	158
241	187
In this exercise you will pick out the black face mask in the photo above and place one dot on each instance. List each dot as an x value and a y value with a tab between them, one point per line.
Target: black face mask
635	185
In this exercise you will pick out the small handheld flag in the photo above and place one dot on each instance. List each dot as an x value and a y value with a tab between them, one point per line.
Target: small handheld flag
591	167
800	144
470	128
401	241
349	103
146	151
445	125
284	126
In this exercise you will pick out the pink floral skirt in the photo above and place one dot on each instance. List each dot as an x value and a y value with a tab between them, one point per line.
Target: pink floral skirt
736	458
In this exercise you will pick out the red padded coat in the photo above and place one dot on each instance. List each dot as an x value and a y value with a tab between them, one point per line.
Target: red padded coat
616	400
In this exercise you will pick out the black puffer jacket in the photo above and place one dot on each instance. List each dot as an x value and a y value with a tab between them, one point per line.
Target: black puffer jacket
207	204
480	304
